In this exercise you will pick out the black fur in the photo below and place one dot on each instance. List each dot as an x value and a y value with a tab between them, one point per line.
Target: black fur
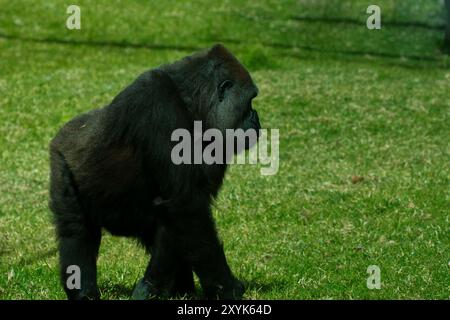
111	168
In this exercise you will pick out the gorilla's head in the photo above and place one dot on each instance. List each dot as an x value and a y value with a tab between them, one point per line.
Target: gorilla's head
217	90
232	95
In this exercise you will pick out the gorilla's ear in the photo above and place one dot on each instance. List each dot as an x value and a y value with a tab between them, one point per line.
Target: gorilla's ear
223	87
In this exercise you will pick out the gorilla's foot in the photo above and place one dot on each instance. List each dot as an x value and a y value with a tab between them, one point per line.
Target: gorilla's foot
93	294
143	290
231	291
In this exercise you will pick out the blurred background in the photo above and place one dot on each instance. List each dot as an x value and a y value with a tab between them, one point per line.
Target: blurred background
364	129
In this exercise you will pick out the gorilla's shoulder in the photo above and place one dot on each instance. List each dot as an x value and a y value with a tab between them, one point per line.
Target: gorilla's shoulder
150	87
156	78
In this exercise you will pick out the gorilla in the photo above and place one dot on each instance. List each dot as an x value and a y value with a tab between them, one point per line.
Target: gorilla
111	169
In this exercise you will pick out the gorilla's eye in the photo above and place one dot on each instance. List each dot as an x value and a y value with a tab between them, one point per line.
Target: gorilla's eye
223	87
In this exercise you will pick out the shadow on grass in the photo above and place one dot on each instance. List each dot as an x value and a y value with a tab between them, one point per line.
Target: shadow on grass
275	45
399	24
99	43
119	291
334	51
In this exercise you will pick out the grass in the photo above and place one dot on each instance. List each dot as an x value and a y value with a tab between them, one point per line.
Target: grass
348	102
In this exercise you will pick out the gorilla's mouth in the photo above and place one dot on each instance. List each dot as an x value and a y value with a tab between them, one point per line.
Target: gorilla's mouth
250	120
254	118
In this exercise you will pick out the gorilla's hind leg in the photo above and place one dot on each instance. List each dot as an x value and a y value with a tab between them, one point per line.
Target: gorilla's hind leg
80	250
167	274
78	240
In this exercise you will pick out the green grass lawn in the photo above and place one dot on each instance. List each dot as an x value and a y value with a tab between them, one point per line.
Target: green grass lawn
347	101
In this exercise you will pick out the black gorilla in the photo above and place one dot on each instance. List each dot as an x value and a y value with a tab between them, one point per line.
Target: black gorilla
111	168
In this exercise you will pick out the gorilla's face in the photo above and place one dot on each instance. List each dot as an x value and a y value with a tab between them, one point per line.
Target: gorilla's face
232	96
233	108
